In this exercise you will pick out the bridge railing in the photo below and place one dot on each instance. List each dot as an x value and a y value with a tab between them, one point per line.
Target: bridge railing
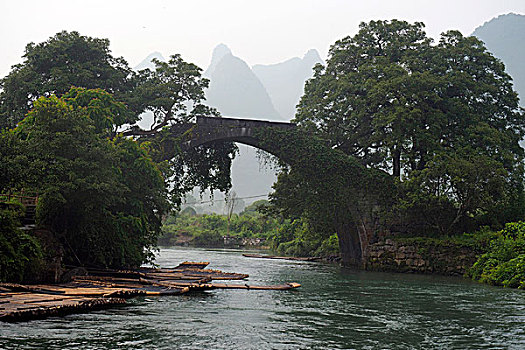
26	199
244	123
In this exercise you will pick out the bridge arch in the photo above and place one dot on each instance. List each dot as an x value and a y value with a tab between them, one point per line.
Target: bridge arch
356	221
211	129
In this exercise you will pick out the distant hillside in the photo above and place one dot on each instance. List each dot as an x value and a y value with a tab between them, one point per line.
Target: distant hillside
147	62
218	54
504	36
285	81
235	90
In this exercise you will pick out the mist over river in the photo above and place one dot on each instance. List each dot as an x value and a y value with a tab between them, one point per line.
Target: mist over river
335	308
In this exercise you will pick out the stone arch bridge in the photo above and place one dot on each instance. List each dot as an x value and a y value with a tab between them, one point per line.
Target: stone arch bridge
212	129
357	221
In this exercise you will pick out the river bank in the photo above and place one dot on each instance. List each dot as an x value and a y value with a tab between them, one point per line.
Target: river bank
400	255
425	256
493	257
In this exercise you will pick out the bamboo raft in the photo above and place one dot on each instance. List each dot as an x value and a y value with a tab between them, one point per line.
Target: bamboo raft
108	288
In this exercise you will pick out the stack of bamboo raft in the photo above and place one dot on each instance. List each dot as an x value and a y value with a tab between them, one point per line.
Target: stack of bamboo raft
107	288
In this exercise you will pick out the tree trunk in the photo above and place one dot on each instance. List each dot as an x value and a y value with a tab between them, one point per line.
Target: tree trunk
396	162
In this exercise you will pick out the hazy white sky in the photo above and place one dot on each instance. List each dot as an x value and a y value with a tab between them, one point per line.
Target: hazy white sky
265	32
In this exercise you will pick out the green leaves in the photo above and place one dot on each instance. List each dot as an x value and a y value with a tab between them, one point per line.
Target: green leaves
173	92
326	190
20	253
102	108
441	115
504	262
54	66
103	198
102	194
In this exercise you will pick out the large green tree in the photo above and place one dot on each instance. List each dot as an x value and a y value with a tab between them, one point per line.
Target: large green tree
103	198
443	119
101	194
54	66
173	92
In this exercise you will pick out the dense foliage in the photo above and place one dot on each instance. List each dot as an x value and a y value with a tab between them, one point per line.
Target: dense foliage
331	192
209	229
54	66
297	238
20	253
442	119
503	264
102	197
294	238
103	190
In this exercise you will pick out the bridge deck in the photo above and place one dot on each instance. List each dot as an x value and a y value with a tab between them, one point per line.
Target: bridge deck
244	123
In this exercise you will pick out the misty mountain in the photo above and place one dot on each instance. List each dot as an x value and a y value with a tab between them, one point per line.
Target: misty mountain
235	90
218	54
147	62
504	36
285	81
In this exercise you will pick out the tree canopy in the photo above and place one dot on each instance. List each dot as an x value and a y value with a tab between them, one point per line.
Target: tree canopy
54	66
442	118
82	70
67	115
173	92
103	197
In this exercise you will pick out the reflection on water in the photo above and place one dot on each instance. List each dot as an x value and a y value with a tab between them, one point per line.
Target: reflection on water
334	309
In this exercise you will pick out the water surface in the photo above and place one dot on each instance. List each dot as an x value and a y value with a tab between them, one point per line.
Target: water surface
335	308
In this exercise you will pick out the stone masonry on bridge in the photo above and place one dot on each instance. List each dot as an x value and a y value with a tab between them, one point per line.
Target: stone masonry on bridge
211	129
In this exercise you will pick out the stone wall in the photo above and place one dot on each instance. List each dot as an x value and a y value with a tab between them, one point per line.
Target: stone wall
420	256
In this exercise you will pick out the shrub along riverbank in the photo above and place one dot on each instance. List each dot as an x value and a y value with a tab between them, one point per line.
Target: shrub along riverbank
493	257
503	263
250	227
210	230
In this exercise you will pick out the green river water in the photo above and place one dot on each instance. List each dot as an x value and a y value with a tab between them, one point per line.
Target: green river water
335	308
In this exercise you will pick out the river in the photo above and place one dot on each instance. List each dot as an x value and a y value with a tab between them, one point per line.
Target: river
335	308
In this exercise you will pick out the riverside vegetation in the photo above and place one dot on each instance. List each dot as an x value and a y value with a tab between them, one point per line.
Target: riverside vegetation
398	137
254	225
209	230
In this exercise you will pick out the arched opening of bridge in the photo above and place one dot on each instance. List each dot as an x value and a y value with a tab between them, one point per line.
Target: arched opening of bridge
355	220
252	178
